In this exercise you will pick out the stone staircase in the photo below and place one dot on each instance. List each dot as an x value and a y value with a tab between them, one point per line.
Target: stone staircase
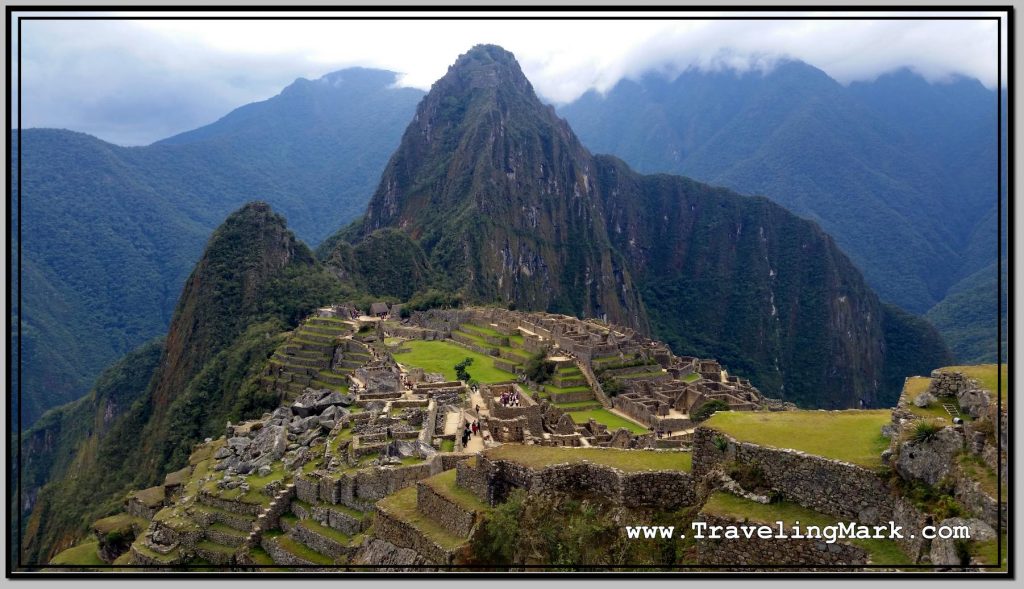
319	354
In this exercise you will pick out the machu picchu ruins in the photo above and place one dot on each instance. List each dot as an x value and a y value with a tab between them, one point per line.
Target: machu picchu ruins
373	460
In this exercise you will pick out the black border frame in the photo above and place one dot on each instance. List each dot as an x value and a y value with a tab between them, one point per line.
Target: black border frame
481	13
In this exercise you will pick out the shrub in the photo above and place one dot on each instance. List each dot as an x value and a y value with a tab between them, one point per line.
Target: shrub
708	409
460	370
721	443
924	431
538	368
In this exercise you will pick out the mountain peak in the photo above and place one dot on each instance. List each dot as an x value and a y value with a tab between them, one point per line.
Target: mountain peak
484	67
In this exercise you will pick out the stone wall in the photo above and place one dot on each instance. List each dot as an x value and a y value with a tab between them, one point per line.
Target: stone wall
448	514
403	535
833	487
756	551
493	480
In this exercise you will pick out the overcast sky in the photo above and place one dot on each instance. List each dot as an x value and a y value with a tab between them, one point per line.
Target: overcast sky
134	82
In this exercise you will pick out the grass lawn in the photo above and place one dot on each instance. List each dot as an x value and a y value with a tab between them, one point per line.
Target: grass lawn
986	375
447	445
625	460
608	418
555	391
915	386
853	436
440	356
444	485
402	506
82	555
724	504
483	329
691	377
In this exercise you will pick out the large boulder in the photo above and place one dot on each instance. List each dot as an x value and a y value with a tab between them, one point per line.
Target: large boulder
930	460
944	550
975	402
924	399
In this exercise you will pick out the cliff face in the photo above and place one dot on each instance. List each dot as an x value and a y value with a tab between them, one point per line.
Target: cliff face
500	195
510	207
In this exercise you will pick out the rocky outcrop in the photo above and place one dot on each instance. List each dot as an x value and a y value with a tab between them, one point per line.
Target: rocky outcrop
932	459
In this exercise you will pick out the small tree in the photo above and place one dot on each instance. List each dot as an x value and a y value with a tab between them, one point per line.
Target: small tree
460	370
538	368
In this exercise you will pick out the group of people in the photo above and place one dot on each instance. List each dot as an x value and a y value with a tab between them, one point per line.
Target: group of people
472	429
509	399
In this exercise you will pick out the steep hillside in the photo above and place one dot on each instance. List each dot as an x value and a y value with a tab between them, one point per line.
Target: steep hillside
253	281
509	207
494	188
111	233
899	170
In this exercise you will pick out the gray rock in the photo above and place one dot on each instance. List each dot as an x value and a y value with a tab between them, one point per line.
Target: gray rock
888	430
293	446
264	470
924	399
886	456
331	399
244	468
931	460
222	453
975	402
281	413
944	550
327	424
238	444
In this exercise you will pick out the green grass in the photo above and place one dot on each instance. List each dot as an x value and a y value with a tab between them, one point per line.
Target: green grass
853	436
885	552
214	547
691	377
578	405
985	374
481	329
303	551
444	485
121	522
326	532
440	356
447	445
625	460
475	338
976	470
608	418
916	385
260	557
86	554
516	340
987	551
553	390
402	505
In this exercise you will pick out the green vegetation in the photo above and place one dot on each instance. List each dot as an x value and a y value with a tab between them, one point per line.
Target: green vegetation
925	431
707	409
538	368
402	505
303	551
608	418
988	552
987	377
115	230
85	554
853	436
444	484
570	533
625	460
439	356
447	445
724	504
460	369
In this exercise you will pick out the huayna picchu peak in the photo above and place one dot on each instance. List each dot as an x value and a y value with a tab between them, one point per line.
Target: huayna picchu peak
508	206
517	332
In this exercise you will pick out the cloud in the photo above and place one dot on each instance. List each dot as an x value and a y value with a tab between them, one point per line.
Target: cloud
133	82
